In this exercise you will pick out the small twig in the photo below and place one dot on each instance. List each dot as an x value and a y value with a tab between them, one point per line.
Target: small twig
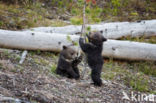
23	56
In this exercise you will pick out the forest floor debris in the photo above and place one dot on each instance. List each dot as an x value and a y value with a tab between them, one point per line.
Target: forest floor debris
35	81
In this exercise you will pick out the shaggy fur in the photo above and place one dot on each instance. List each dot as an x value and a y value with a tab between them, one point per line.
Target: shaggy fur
93	51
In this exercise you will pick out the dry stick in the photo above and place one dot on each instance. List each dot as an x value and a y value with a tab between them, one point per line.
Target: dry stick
83	25
23	56
83	30
84	20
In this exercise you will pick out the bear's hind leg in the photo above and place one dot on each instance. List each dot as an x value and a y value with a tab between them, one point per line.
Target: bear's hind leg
71	73
96	74
61	72
76	71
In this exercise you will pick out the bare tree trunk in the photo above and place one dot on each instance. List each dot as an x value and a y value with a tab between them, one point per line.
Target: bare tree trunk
114	30
53	42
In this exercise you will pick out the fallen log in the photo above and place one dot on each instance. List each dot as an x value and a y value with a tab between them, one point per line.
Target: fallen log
53	42
114	30
33	40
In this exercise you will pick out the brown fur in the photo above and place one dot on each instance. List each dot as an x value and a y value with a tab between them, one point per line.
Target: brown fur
67	64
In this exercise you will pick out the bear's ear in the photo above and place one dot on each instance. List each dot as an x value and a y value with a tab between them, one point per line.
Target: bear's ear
101	31
104	39
65	47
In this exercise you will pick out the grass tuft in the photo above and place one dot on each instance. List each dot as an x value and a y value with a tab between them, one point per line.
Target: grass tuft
136	75
53	68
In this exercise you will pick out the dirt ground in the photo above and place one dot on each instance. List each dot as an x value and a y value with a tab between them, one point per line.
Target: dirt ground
33	82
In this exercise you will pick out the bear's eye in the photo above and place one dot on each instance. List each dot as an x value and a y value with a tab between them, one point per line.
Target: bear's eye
72	53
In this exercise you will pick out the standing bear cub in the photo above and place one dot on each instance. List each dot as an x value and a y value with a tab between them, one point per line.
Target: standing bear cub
93	51
68	62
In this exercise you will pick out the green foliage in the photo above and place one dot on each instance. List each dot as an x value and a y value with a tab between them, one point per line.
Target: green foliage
116	4
147	68
73	42
31	13
62	4
134	14
53	68
58	23
132	74
88	28
1	23
80	3
75	11
76	20
109	76
130	10
25	16
151	39
137	82
92	13
88	10
86	39
69	38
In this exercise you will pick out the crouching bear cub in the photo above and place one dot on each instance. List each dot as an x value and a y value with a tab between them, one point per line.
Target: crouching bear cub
68	62
93	51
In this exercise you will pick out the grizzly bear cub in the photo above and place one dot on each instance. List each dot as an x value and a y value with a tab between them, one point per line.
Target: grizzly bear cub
68	62
93	51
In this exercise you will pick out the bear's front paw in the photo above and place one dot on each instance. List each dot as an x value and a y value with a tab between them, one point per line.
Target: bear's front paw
77	60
